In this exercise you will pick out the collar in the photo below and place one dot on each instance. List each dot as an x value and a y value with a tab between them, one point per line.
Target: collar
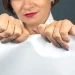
50	19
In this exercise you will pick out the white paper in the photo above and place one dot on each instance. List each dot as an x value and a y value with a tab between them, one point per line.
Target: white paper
35	56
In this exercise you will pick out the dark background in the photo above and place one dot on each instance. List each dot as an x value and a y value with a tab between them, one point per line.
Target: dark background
65	9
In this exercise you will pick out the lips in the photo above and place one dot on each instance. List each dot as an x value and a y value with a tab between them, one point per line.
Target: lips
30	15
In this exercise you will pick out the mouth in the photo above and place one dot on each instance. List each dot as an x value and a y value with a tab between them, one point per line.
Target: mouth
30	15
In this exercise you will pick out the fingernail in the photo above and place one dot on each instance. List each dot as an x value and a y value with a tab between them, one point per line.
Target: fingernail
48	40
57	45
13	41
2	41
67	41
66	48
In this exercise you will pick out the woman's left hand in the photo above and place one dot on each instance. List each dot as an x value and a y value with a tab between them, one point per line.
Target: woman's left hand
57	32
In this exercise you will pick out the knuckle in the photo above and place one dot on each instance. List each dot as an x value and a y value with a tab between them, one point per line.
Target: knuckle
66	20
48	32
56	36
40	26
4	14
11	18
53	23
2	28
62	33
17	21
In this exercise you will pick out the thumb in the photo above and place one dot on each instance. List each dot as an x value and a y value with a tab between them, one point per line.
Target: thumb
72	31
41	29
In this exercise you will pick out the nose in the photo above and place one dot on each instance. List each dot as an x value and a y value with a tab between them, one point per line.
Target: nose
27	5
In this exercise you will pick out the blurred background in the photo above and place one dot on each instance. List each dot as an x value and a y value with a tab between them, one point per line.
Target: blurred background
65	9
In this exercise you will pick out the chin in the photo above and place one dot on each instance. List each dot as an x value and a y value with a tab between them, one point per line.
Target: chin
30	22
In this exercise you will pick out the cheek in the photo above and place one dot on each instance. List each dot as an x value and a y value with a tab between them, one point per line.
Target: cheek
17	7
45	4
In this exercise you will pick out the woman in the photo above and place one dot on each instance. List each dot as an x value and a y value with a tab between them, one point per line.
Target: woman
32	13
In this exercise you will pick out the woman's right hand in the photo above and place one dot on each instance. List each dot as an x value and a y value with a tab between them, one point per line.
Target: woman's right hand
12	29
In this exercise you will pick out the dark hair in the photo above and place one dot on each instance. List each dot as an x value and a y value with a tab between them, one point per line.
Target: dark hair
8	7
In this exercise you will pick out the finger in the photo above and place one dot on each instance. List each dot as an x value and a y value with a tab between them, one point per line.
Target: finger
5	40
18	29
41	30
3	22
72	31
23	37
64	30
57	36
49	32
10	29
16	34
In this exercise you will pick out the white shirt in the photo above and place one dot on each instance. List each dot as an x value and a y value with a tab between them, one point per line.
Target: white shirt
35	56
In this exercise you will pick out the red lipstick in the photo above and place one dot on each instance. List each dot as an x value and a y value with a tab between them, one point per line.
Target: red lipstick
30	15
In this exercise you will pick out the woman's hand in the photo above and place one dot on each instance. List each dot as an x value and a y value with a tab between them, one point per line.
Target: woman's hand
57	32
12	29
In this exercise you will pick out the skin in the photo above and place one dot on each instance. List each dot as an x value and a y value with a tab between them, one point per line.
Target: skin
57	32
11	29
28	6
